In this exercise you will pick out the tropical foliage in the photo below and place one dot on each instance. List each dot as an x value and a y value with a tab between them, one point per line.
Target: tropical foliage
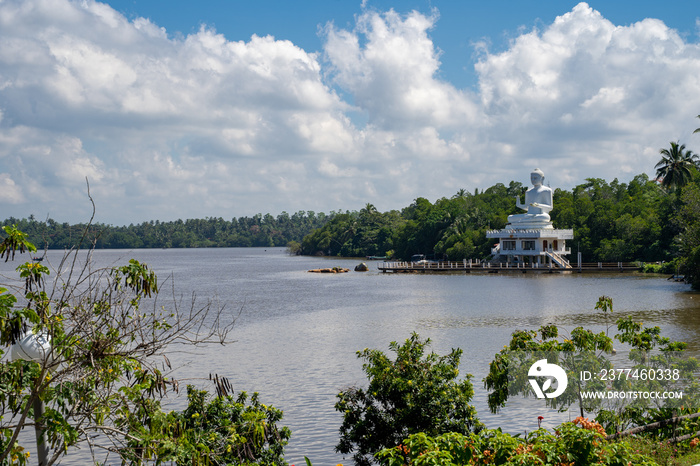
223	430
584	351
259	230
416	392
675	169
688	239
580	442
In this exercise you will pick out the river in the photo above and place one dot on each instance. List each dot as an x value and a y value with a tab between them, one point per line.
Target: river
296	333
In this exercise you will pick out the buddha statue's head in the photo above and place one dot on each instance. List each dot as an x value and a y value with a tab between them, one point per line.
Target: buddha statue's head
536	177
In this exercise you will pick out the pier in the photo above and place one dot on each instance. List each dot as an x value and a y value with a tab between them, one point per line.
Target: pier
477	266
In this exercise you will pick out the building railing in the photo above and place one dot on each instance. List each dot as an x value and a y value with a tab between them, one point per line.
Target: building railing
476	264
497	250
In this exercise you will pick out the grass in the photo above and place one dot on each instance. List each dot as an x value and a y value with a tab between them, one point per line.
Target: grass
665	453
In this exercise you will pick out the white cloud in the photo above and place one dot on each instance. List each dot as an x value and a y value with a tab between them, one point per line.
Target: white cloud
9	191
606	97
199	125
392	75
588	92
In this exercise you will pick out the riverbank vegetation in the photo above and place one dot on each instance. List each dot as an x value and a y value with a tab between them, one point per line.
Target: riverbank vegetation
403	417
257	231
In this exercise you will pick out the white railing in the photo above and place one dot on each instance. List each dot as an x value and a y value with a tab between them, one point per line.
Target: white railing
476	264
441	265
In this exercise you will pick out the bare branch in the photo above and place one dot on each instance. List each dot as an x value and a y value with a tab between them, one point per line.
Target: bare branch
105	337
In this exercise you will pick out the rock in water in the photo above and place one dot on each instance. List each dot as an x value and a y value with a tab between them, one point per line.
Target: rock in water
330	270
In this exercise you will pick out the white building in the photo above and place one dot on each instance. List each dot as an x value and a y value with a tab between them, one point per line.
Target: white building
541	246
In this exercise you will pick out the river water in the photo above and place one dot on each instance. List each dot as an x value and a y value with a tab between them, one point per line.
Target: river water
296	333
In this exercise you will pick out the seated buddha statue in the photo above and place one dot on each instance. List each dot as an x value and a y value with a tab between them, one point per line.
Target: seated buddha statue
538	204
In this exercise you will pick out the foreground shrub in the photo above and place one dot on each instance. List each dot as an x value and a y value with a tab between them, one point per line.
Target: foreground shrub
576	443
414	393
225	430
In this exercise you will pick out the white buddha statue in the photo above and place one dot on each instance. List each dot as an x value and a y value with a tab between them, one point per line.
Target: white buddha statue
538	203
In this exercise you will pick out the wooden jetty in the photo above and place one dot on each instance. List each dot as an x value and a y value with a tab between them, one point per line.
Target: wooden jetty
477	266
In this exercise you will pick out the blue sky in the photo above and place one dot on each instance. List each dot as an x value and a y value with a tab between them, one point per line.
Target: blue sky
227	108
460	23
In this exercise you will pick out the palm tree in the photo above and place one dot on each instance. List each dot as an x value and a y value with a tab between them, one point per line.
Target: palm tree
675	167
369	209
461	194
698	129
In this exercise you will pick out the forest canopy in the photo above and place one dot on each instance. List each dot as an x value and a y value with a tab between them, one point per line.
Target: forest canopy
612	222
257	231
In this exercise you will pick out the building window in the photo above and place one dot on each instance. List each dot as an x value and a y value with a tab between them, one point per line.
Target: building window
528	245
508	245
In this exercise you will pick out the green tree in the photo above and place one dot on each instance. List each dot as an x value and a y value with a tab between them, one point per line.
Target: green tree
294	248
688	239
676	165
581	350
86	351
585	350
223	430
416	392
456	243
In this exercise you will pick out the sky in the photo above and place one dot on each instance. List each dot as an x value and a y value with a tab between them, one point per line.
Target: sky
226	108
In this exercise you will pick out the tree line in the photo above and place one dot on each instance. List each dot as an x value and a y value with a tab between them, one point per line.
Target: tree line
642	220
612	221
256	231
